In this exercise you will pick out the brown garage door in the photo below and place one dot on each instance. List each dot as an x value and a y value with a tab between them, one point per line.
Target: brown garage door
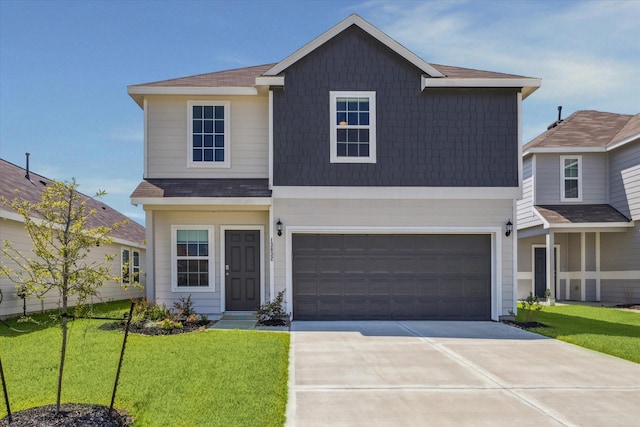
384	277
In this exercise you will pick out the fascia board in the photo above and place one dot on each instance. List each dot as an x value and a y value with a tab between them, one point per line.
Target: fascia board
270	81
623	142
204	201
365	26
562	150
451	82
190	90
593	226
395	193
14	216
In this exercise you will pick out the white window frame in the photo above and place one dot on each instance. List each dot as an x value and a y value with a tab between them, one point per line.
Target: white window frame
563	179
131	267
174	259
333	96
227	134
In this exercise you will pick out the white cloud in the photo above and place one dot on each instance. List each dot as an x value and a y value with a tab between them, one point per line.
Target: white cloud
587	53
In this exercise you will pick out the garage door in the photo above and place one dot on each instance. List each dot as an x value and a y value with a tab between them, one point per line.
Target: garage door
384	277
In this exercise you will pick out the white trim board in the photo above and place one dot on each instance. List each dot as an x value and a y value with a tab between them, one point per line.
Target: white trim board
395	193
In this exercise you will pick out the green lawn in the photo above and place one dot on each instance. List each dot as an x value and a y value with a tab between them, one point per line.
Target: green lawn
606	330
213	378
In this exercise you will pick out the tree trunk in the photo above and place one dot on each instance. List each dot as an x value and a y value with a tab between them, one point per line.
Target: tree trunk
63	351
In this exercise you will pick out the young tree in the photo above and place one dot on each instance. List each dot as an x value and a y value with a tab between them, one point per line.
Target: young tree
58	226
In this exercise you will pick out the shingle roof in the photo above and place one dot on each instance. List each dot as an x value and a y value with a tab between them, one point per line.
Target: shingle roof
238	77
155	188
470	73
246	77
580	214
588	128
13	183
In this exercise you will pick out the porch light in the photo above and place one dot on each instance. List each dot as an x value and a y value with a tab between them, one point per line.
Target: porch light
509	229
279	227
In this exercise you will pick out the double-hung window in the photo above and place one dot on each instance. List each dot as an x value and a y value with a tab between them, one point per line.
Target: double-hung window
130	266
571	173
353	127
192	258
208	135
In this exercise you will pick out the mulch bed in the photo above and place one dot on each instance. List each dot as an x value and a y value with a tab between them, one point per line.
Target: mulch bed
274	322
156	330
71	415
629	306
525	325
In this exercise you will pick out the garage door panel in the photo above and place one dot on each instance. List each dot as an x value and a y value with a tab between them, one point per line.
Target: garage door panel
391	277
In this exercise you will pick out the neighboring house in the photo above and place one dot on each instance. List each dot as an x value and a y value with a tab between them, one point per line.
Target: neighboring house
128	242
581	196
359	179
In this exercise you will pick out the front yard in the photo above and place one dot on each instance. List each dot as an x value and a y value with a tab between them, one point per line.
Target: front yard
602	329
213	378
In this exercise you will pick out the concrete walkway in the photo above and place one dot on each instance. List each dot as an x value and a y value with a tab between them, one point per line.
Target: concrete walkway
417	373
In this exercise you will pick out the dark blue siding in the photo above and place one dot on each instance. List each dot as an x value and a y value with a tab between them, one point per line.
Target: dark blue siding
443	138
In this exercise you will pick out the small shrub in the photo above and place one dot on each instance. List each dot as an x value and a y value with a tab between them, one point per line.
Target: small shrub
184	308
169	325
530	308
145	310
273	310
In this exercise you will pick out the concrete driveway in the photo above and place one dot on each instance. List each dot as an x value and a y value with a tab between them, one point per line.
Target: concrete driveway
417	373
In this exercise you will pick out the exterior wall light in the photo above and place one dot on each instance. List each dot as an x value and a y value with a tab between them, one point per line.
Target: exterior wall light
279	227
509	229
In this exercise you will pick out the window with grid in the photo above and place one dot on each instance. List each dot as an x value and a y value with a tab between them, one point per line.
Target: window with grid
571	178
130	263
353	127
192	257
209	134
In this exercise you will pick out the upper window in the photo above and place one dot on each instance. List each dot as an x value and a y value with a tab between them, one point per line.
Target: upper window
353	127
209	140
130	266
192	257
571	173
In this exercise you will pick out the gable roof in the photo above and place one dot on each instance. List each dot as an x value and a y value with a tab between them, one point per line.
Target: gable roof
245	81
582	216
587	130
14	183
363	25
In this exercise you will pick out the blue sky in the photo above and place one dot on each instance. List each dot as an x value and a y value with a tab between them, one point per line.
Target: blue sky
65	65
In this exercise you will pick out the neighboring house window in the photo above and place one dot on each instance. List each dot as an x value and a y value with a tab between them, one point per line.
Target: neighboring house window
192	257
571	172
209	139
130	266
353	127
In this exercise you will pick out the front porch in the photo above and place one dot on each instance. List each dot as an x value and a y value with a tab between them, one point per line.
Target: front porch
579	237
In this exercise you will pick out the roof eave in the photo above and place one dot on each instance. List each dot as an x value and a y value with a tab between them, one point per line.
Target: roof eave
139	92
340	27
527	85
205	201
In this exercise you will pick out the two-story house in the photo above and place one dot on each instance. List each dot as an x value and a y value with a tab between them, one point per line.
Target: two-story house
127	248
581	197
354	176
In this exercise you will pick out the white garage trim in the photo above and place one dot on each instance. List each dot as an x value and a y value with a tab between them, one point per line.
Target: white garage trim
496	252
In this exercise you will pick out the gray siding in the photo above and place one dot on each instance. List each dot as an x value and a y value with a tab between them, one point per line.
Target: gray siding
625	180
431	138
594	178
620	291
621	251
526	216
